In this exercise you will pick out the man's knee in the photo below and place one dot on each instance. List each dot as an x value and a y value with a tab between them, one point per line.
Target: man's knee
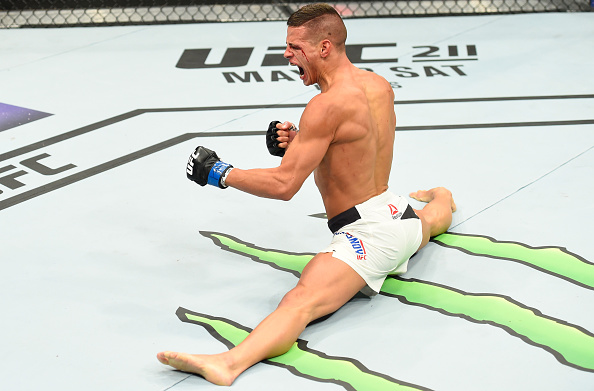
301	299
298	297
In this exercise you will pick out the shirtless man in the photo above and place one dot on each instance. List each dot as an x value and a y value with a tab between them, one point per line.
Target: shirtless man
346	139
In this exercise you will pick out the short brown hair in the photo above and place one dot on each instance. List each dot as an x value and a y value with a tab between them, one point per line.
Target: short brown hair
322	20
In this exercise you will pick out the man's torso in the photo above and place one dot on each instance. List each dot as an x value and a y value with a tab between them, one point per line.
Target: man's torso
357	164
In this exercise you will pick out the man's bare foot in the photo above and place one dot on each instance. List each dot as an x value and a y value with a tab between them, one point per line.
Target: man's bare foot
430	195
211	367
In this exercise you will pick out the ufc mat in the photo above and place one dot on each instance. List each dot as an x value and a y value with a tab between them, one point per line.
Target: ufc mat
110	255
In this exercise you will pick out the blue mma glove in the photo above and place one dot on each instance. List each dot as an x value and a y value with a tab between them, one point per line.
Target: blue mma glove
204	167
272	142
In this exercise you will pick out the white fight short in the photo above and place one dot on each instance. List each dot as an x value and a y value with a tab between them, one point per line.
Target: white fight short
376	238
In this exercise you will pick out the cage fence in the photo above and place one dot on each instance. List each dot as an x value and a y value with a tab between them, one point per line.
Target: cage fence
65	13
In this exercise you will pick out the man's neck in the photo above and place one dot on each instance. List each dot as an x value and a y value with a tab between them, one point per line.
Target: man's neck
333	73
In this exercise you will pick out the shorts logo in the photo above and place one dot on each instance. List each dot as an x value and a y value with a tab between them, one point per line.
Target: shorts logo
357	246
394	212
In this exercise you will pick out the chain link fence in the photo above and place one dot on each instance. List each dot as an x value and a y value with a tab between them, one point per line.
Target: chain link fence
56	13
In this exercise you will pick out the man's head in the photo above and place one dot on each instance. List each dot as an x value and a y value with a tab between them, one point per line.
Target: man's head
322	22
316	37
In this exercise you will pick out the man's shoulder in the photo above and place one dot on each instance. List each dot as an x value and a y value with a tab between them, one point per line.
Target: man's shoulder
337	96
376	83
327	103
324	113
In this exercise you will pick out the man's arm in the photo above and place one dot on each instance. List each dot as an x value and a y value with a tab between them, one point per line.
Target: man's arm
307	150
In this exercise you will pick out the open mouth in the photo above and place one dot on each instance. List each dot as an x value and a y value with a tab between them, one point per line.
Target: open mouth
301	70
301	73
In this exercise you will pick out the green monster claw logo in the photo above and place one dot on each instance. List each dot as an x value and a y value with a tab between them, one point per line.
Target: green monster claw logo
570	344
301	360
556	261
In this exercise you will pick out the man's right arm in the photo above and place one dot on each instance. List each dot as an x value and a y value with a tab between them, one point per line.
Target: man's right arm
308	148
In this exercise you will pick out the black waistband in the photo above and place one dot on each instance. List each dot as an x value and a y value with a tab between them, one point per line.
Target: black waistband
340	220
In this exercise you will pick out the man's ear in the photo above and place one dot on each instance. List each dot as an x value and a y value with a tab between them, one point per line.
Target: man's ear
325	48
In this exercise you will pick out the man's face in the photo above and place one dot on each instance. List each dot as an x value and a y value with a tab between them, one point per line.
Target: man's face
300	52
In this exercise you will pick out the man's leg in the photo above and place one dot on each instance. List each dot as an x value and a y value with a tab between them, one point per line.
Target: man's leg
326	284
436	216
